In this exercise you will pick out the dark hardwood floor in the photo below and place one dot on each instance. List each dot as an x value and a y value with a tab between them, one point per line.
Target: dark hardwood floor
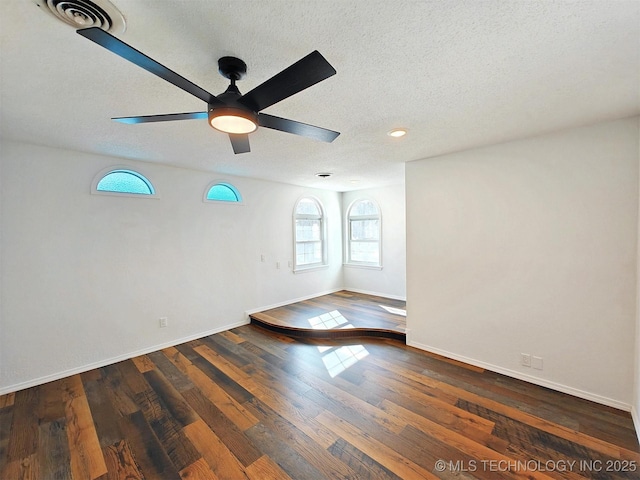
249	403
342	314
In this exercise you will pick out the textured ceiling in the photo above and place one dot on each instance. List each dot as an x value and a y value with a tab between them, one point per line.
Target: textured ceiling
456	74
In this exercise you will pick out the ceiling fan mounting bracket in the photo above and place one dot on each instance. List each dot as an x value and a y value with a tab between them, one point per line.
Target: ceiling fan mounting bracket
232	68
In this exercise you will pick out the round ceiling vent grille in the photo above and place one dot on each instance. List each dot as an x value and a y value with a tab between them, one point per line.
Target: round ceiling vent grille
85	13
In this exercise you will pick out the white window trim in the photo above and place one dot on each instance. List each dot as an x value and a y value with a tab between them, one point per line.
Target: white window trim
324	263
102	173
347	238
311	268
365	266
226	183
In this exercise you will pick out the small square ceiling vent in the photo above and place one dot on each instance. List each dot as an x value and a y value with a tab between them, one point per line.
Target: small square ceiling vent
85	13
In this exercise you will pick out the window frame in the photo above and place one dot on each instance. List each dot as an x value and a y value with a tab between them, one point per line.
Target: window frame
123	168
227	184
348	261
323	263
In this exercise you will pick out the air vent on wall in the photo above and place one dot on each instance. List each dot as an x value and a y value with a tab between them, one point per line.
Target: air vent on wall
85	13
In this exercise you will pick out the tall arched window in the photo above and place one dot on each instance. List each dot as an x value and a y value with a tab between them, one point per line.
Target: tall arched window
122	181
364	227
310	234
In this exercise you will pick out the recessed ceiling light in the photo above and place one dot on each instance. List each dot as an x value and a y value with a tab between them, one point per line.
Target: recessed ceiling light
324	174
355	181
397	132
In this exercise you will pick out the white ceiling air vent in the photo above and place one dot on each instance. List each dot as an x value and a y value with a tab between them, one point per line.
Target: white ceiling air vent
85	13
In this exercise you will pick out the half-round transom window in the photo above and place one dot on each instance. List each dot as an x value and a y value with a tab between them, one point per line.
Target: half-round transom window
223	192
125	181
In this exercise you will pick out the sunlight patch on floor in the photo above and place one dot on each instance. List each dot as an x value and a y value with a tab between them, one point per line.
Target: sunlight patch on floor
337	359
341	358
327	320
394	311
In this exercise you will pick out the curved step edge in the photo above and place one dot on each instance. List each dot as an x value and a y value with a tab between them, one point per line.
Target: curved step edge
299	332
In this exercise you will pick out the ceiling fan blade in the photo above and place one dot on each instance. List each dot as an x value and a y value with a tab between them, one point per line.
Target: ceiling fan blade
297	128
127	52
239	142
304	73
168	117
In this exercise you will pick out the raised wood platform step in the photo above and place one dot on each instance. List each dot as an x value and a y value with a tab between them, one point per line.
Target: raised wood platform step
342	314
266	322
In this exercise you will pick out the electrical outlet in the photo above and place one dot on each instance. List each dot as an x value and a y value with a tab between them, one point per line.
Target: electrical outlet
536	362
525	359
164	321
278	265
263	258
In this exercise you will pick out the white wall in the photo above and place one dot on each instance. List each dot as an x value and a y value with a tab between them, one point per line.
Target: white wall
391	280
530	247
86	277
635	411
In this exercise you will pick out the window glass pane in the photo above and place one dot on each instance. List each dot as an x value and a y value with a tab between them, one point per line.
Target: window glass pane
365	229
365	252
308	253
307	230
125	181
364	207
307	206
222	193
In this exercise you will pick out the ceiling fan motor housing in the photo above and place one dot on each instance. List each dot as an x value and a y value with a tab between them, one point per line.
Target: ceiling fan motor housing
232	115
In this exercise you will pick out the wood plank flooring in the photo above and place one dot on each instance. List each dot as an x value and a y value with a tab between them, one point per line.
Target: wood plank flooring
342	314
250	404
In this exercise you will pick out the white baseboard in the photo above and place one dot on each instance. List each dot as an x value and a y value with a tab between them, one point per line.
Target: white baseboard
290	301
376	294
636	421
84	368
610	402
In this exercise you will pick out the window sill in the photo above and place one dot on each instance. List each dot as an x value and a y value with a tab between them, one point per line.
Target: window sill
312	268
109	193
224	202
364	266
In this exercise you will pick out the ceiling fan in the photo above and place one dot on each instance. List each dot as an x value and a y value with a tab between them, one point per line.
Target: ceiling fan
231	112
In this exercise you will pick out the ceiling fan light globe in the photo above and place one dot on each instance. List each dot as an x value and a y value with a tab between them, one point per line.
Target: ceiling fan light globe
232	120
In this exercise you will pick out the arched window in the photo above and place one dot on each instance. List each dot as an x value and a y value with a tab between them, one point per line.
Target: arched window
310	234
222	192
364	228
122	181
